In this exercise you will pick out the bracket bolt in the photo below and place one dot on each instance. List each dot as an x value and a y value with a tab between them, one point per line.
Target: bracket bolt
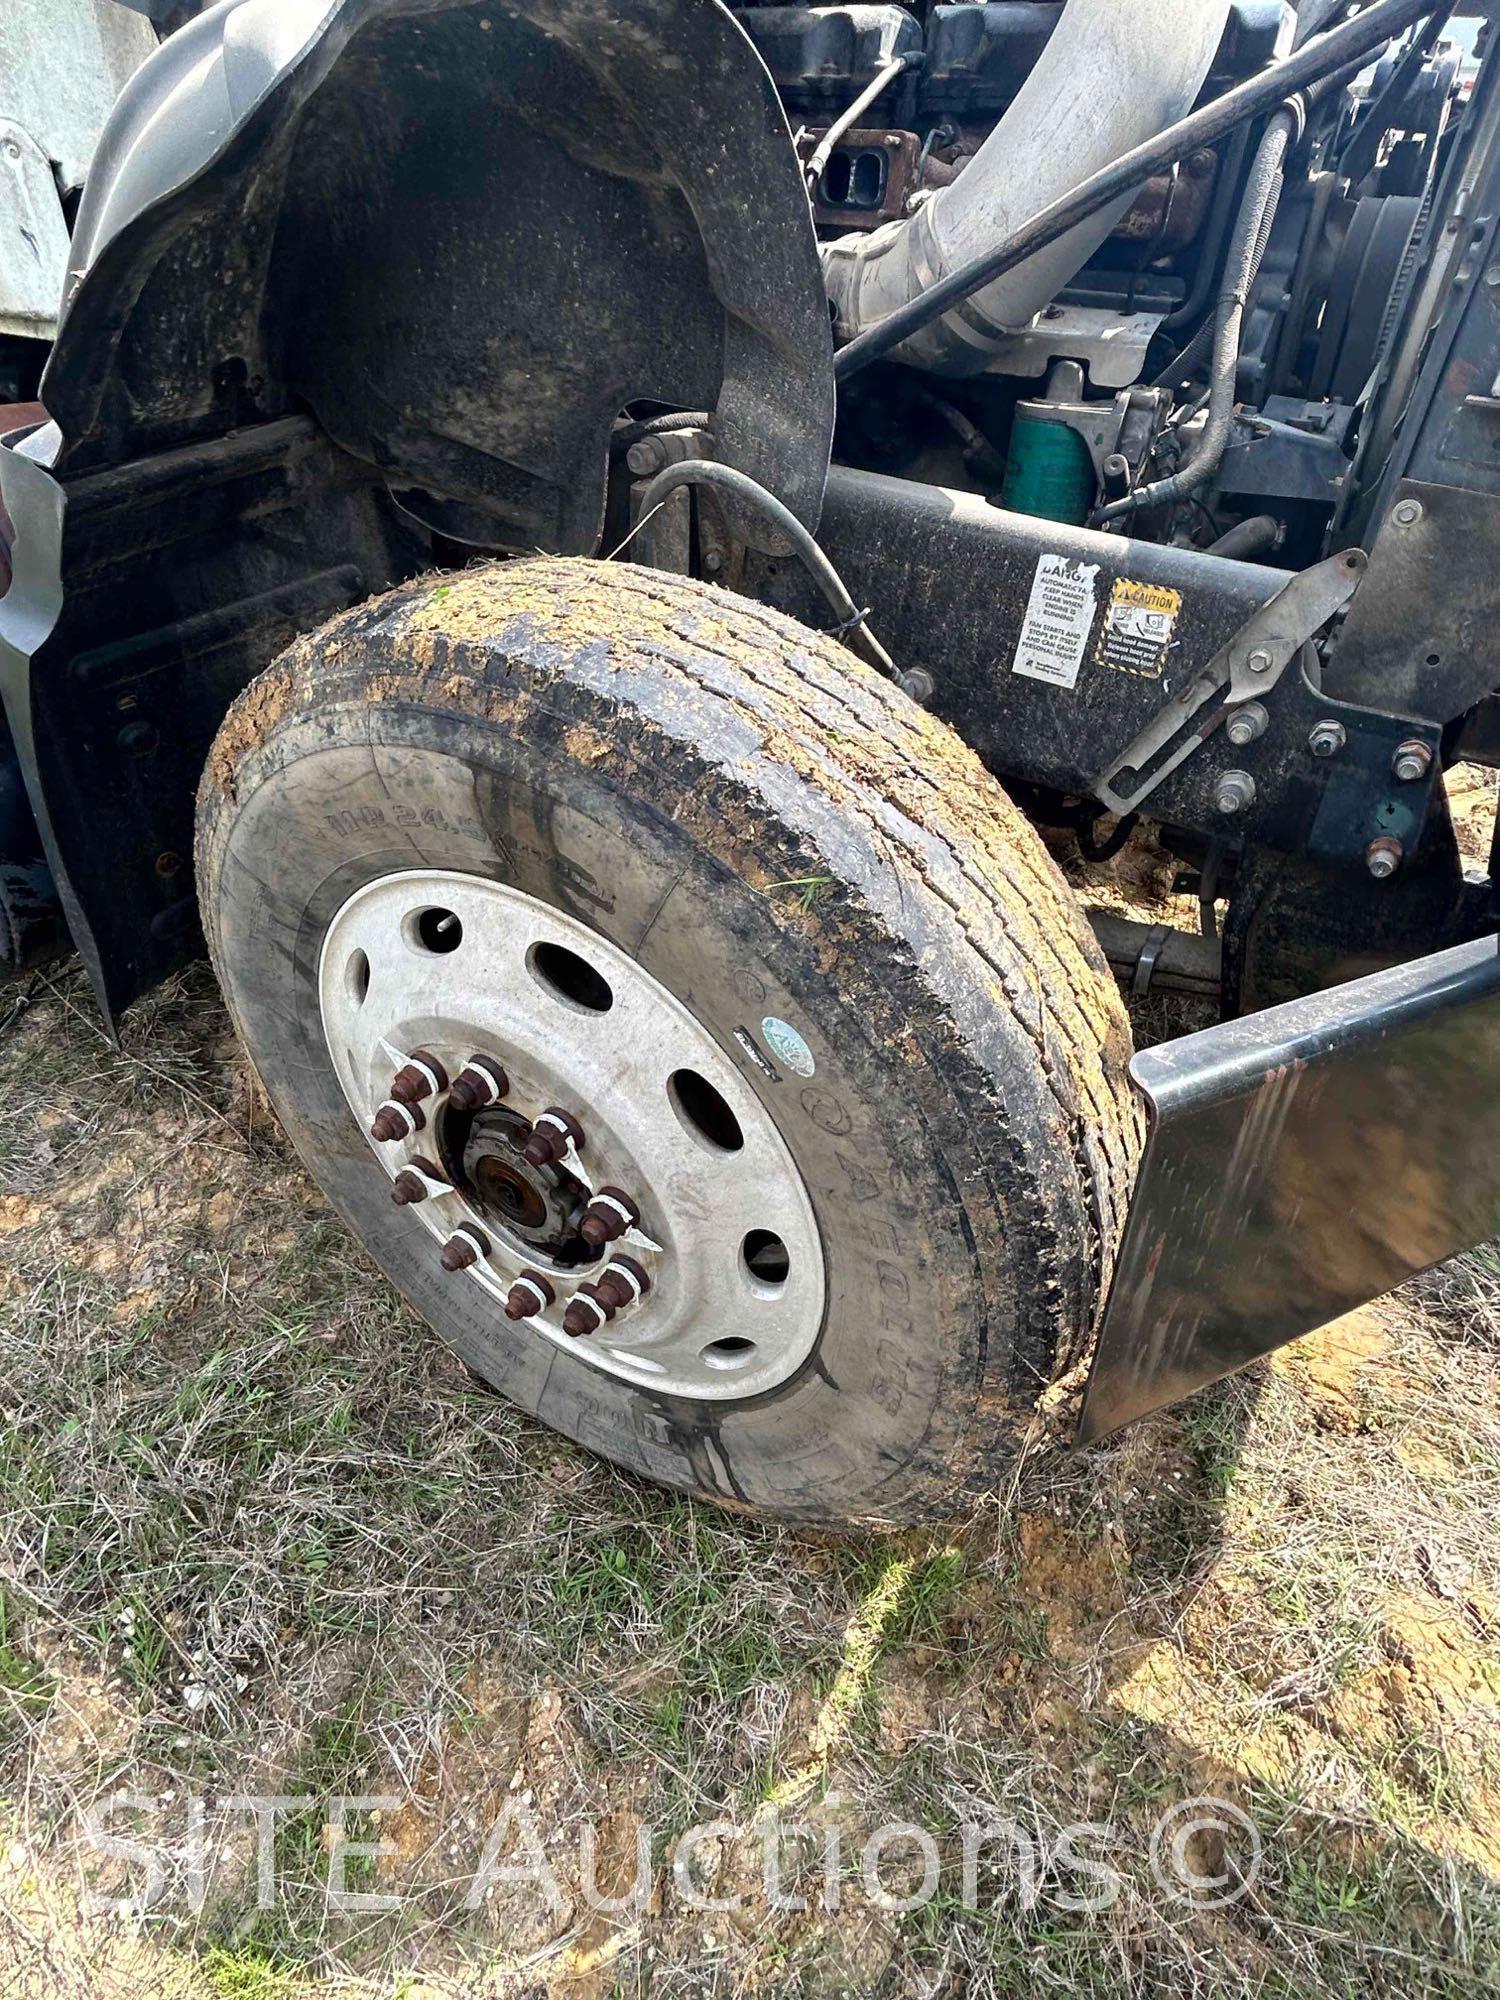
1384	856
549	1139
481	1081
1236	791
396	1121
1246	724
1327	738
465	1247
422	1075
1260	661
1407	513
622	1283
587	1313
528	1296
1413	760
409	1185
608	1215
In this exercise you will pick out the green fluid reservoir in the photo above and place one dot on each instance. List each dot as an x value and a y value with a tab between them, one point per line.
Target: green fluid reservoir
1050	471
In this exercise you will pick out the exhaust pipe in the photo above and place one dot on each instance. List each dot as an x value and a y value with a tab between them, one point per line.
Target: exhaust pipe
1112	75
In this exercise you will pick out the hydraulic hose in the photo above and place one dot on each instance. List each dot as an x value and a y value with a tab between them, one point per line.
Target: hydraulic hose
1247	248
1317	58
706	472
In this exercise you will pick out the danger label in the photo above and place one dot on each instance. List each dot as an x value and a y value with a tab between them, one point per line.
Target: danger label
1139	627
1059	620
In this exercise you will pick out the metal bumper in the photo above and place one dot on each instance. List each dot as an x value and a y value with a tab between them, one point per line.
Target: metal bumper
1299	1162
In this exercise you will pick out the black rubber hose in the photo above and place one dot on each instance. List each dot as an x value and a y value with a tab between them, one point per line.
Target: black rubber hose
1248	247
705	472
625	435
1256	535
1316	58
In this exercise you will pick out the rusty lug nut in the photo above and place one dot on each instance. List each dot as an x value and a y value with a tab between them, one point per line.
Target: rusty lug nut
608	1215
409	1186
623	1282
396	1121
465	1247
1384	856
587	1313
421	1075
528	1296
481	1081
549	1138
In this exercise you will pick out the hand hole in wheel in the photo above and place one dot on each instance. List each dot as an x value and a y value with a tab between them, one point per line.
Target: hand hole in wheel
765	1257
433	929
570	977
704	1111
733	1351
357	977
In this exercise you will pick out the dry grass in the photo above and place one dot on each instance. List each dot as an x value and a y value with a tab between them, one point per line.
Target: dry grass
262	1533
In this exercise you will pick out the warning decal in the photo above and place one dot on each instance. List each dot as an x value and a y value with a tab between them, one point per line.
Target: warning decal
1138	628
1059	620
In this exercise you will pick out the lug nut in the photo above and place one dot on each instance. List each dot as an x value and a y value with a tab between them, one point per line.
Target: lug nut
412	1183
528	1296
1236	791
1413	760
1327	738
623	1282
1384	856
396	1121
465	1247
421	1075
481	1081
549	1139
587	1313
608	1215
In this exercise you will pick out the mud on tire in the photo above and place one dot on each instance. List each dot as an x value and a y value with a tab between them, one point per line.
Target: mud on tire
773	832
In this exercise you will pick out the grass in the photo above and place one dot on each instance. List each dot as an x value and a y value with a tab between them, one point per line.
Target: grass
261	1533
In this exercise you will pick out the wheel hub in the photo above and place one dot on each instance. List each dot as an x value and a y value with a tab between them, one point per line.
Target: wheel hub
576	1142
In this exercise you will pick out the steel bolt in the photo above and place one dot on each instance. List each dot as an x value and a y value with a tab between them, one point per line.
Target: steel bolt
1260	661
623	1282
1236	791
1413	760
1384	856
548	1143
465	1247
1246	724
587	1313
421	1075
1327	738
1407	513
396	1121
481	1081
608	1216
646	456
528	1296
409	1186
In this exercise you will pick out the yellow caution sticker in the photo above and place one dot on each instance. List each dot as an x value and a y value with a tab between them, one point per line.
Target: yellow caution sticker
1140	627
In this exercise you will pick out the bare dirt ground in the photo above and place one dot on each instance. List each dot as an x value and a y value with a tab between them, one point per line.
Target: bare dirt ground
263	1535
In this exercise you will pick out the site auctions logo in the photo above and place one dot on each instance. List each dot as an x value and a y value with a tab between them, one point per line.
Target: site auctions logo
1205	1853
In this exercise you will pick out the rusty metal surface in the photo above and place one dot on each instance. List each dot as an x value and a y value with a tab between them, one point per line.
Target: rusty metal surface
887	160
1300	1162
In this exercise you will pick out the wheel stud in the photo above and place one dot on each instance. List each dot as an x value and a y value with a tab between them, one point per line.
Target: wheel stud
396	1121
421	1075
465	1247
549	1139
528	1296
608	1215
623	1282
587	1313
412	1184
481	1081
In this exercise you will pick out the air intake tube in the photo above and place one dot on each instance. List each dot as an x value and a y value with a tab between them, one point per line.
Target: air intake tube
1113	74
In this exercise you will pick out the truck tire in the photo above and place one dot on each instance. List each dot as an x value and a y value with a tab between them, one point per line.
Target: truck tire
818	1007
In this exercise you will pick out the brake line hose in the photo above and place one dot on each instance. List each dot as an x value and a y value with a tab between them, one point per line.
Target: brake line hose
853	622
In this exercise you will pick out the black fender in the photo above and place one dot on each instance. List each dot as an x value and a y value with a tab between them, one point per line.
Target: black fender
345	276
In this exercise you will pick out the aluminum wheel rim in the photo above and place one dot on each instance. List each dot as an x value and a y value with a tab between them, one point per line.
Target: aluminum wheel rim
720	1321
